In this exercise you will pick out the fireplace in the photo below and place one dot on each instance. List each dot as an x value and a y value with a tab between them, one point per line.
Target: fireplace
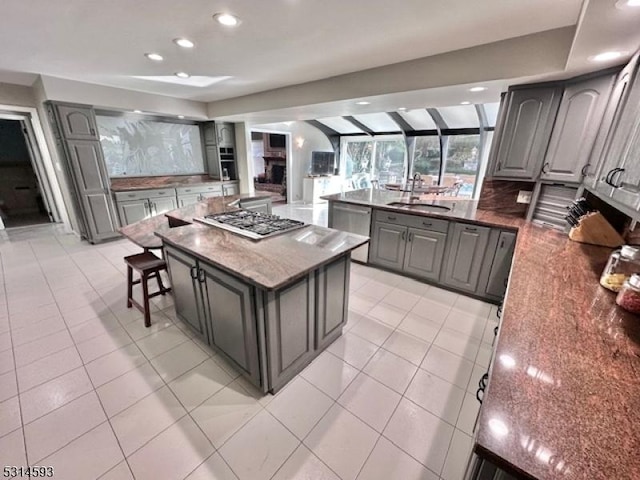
275	169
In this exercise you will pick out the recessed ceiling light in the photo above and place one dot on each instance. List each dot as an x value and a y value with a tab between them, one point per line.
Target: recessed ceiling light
465	103
182	75
184	42
402	109
627	3
137	111
363	103
477	89
606	56
156	57
180	117
226	19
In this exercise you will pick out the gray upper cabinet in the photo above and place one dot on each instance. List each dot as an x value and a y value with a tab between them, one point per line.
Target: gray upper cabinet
525	131
465	257
78	123
226	135
212	157
92	186
424	253
209	133
132	211
186	290
230	307
501	265
388	245
604	156
575	129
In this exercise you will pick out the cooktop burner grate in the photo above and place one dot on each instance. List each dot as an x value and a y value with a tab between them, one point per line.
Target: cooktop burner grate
254	225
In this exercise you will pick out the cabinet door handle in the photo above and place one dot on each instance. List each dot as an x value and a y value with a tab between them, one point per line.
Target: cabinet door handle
607	179
427	224
201	276
410	236
499	166
544	168
194	272
471	229
478	397
584	172
506	282
92	131
614	183
155	209
391	217
404	235
502	243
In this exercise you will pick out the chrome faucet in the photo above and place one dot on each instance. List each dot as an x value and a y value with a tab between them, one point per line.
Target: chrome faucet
413	196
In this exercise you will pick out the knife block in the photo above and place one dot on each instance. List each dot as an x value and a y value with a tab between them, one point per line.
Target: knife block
595	230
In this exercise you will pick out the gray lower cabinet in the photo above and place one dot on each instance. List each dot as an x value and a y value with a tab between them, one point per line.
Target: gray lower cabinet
388	245
465	257
424	253
230	189
132	211
260	205
501	265
186	290
184	200
231	312
161	205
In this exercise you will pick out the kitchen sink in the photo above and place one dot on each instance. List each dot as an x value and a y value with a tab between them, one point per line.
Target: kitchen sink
420	206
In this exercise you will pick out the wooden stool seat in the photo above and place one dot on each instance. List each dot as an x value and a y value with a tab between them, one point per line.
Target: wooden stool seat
148	266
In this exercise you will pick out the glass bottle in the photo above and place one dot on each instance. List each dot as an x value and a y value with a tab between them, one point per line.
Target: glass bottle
629	295
622	263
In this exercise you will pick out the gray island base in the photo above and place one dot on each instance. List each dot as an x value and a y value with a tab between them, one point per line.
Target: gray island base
268	335
269	307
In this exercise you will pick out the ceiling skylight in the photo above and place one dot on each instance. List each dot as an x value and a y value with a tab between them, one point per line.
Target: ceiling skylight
192	81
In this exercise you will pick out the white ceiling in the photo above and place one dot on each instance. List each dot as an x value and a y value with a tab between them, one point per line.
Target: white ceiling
279	42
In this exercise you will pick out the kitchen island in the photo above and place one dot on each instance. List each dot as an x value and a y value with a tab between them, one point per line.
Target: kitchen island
562	394
269	306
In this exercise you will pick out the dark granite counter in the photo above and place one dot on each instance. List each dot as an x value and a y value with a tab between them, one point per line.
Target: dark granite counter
270	263
563	400
123	184
459	210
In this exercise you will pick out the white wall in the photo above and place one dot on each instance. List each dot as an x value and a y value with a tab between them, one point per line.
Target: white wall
314	140
64	90
19	95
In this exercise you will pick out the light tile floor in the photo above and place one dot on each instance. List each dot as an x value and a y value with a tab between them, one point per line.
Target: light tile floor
84	387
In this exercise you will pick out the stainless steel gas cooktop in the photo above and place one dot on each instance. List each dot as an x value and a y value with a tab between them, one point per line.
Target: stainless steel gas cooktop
253	225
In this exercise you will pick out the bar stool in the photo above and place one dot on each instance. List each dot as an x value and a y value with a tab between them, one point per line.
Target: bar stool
148	266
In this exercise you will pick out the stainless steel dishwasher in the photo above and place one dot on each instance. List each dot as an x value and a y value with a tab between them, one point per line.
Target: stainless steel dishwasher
353	219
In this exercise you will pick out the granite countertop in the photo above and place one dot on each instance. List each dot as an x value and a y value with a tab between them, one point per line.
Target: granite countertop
563	399
123	184
270	263
459	209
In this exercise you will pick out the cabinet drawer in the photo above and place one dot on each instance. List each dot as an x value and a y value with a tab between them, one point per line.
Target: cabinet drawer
415	221
199	189
139	194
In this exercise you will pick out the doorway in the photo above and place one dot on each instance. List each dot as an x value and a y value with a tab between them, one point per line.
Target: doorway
269	153
22	198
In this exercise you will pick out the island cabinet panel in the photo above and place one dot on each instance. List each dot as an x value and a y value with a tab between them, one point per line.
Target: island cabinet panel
186	290
424	253
498	263
332	301
466	254
230	306
289	316
388	245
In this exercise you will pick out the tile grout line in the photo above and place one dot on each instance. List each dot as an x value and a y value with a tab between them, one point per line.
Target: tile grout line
15	369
